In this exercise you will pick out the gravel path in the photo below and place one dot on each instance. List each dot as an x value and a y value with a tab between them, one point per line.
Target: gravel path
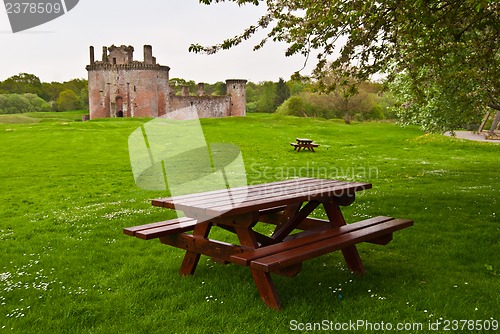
472	136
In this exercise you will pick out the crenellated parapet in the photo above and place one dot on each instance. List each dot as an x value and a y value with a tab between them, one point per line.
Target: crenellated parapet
236	82
122	58
100	66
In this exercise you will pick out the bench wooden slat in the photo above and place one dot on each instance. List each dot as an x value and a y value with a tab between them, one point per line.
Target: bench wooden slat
303	238
311	250
163	228
131	230
166	230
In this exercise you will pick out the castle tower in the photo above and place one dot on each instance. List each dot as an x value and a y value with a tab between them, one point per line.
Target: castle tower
236	88
122	87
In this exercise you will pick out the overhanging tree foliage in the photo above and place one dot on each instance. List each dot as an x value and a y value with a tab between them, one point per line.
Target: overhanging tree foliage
444	49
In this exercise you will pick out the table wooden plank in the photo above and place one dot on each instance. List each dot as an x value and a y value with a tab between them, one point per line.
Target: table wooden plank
221	192
267	195
251	193
271	191
219	209
238	193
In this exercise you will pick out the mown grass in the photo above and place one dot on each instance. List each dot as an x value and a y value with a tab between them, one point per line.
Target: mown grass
67	191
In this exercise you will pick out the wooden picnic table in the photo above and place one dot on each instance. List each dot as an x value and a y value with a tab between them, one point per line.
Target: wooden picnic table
286	205
304	144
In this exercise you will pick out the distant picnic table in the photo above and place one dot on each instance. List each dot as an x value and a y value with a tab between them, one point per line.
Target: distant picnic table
304	144
284	204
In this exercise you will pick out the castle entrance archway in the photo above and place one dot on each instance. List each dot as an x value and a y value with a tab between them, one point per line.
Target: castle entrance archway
119	107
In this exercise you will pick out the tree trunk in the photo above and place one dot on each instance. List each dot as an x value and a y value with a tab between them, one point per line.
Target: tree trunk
495	123
347	114
483	123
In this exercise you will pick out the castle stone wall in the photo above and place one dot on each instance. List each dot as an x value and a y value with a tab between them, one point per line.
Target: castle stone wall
206	106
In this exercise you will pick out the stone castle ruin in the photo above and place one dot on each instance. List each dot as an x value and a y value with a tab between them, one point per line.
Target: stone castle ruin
119	86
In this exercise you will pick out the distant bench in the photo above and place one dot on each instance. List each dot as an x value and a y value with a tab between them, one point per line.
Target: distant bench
304	144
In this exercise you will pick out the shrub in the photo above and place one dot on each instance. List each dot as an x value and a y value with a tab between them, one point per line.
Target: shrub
68	100
17	103
37	103
14	104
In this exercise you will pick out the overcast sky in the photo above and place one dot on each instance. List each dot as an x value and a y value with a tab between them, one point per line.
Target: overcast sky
59	50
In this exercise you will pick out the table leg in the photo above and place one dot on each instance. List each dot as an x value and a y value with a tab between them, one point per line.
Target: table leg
267	289
263	280
351	255
191	258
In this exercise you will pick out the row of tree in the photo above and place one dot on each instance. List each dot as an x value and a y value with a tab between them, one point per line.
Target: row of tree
368	102
26	93
441	56
365	101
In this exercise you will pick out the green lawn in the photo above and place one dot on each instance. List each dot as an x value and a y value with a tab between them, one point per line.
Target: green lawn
67	191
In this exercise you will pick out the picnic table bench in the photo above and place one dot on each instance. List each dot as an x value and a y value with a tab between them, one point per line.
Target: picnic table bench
304	144
286	205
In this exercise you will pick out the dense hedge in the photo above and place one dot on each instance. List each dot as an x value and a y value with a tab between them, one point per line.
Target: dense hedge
21	103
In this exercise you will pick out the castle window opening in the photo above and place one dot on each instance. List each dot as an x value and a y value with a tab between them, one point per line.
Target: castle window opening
114	61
